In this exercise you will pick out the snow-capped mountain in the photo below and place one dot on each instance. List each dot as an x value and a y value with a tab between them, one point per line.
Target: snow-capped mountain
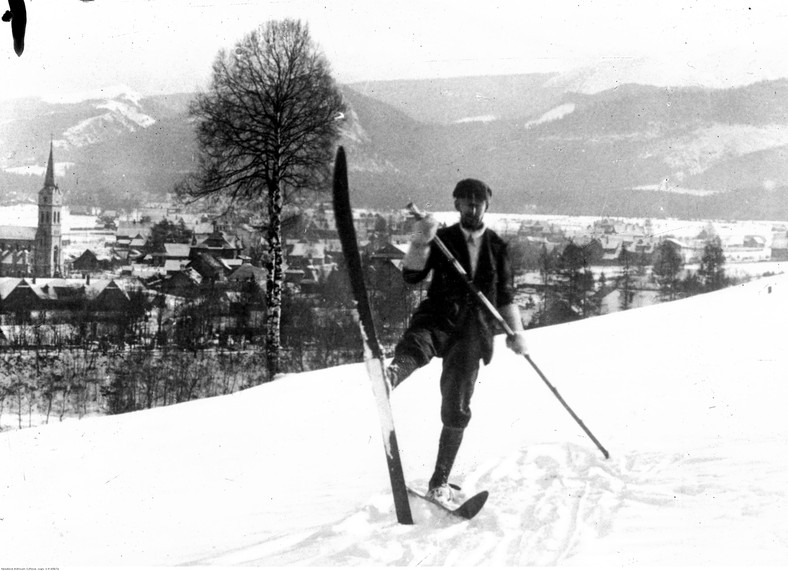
634	149
112	145
547	142
118	116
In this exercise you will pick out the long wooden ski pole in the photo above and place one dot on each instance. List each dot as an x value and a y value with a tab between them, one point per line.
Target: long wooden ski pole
485	303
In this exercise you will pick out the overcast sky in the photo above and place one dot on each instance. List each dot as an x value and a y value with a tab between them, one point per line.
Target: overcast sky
160	46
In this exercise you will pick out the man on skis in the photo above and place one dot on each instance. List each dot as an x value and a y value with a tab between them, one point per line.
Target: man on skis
449	324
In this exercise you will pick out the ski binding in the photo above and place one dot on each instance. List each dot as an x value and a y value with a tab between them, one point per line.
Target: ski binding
466	510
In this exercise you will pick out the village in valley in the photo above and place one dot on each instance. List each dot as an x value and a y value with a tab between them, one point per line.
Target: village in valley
147	277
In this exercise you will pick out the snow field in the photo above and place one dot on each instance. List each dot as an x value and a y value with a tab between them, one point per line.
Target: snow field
688	397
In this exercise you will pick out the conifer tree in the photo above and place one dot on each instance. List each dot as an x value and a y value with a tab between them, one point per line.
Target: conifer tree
712	265
575	281
668	264
625	281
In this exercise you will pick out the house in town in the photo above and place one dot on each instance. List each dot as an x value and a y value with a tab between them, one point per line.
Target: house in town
247	272
90	262
308	264
60	299
780	246
218	243
131	238
177	254
747	248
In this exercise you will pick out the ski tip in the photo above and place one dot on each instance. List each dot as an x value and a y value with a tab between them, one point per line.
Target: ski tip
473	506
340	176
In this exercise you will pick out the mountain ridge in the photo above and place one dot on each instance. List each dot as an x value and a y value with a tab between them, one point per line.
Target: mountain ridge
632	149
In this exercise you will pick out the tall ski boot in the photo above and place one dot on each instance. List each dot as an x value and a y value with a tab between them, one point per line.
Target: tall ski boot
448	446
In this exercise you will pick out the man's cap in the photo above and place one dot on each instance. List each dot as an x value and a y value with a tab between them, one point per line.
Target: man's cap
472	188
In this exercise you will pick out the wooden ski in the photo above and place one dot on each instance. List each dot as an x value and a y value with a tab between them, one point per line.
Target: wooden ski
373	351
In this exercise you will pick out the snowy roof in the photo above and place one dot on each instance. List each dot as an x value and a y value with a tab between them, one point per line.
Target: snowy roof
57	288
246	271
7	285
177	250
203	228
133	229
780	242
231	263
174	265
308	250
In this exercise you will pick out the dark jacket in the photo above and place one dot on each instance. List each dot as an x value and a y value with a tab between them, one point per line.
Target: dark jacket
449	305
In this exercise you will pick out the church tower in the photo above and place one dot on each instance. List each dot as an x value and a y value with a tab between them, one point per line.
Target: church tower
49	241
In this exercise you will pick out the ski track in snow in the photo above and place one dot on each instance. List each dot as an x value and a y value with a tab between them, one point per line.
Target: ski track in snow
569	493
550	502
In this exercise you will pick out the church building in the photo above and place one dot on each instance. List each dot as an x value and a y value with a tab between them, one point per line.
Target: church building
36	251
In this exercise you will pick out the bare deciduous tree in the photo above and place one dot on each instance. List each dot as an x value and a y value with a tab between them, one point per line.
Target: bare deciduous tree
266	131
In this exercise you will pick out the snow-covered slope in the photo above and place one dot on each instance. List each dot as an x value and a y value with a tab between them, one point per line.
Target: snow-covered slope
552	115
120	115
688	397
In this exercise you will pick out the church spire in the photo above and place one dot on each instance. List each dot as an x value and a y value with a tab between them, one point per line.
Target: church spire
49	180
49	240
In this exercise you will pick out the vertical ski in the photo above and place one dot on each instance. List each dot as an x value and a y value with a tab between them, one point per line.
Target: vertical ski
373	352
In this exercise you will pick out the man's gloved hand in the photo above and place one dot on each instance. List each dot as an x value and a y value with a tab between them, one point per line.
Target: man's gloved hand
517	344
424	230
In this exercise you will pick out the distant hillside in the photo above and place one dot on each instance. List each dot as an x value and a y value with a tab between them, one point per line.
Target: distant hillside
465	98
633	149
112	151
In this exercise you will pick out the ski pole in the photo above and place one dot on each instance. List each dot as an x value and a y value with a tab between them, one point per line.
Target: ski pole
485	303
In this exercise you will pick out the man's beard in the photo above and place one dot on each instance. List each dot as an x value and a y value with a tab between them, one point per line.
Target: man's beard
471	223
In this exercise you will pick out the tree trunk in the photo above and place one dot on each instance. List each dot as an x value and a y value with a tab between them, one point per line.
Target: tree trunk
275	281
